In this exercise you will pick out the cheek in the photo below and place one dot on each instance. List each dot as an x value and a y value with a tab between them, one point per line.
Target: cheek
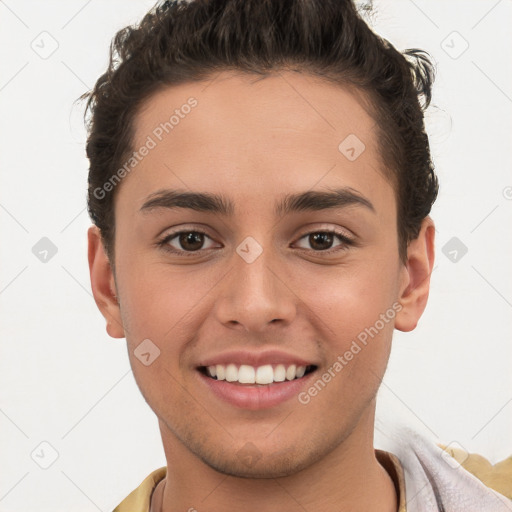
354	311
356	323
352	299
156	313
156	301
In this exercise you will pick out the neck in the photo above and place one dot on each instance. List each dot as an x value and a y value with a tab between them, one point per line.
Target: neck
349	478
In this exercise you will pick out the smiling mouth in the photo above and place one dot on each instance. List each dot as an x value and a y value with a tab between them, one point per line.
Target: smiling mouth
260	375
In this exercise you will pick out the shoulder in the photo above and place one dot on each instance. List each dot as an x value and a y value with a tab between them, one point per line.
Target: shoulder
139	499
443	474
497	476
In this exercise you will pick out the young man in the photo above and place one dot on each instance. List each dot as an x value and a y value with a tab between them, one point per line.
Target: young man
260	184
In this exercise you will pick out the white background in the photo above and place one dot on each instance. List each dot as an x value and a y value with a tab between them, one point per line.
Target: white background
65	382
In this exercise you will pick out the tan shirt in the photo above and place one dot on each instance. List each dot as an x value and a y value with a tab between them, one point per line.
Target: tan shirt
497	477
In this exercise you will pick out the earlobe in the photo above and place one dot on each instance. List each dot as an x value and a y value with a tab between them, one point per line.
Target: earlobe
103	284
415	290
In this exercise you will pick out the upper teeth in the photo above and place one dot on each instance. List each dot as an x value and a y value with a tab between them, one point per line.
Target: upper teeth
246	374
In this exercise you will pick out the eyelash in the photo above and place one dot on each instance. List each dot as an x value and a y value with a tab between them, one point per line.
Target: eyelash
164	242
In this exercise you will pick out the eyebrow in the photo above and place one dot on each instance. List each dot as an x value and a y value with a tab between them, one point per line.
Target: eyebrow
312	200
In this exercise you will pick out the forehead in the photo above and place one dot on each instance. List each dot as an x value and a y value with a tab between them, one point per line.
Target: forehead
287	131
246	106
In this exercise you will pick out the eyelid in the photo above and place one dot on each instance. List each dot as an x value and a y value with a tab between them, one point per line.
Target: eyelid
329	228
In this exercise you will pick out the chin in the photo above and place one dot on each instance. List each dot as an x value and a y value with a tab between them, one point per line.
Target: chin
267	466
253	460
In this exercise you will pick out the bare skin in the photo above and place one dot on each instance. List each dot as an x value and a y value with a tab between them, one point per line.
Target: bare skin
253	142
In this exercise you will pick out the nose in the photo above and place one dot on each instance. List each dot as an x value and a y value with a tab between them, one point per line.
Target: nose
255	294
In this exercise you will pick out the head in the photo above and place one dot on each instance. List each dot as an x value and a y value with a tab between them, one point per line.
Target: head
260	181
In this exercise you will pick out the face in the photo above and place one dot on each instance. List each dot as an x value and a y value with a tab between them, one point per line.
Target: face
258	280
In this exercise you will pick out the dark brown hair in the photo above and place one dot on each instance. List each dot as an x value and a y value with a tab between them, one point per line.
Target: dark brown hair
186	41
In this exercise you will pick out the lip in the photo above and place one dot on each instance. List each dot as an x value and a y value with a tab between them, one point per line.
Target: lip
256	396
256	359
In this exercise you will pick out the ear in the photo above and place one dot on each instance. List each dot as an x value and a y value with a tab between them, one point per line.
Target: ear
103	284
415	288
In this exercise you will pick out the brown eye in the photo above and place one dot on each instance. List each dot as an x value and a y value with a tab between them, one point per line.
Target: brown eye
191	241
185	242
321	241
